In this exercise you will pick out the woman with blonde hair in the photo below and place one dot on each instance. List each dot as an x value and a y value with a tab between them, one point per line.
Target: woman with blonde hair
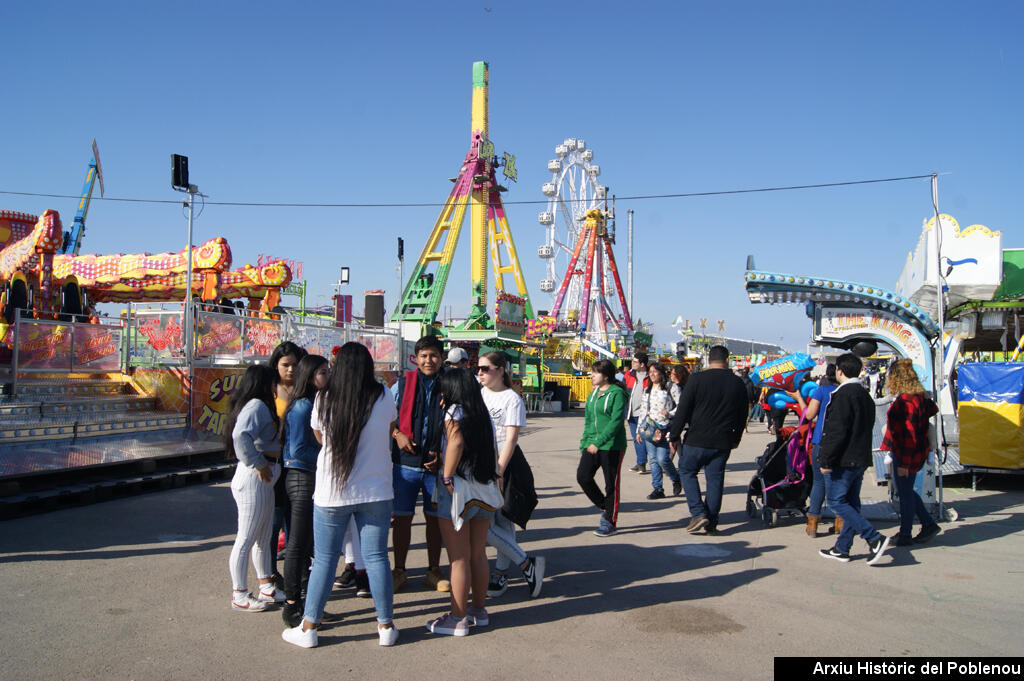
906	439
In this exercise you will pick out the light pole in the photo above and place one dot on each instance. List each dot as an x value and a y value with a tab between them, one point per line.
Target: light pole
179	182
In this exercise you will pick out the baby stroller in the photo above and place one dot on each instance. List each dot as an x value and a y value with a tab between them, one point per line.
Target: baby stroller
783	479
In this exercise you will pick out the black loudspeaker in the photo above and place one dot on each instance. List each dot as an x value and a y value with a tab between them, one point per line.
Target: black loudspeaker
179	171
401	248
864	348
374	310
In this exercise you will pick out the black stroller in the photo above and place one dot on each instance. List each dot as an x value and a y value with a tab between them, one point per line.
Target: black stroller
783	479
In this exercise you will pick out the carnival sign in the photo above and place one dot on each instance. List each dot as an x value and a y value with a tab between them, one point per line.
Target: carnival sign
261	337
43	346
218	336
841	323
212	390
96	347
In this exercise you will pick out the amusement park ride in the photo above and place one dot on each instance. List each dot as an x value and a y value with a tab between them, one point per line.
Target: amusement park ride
579	234
43	276
476	190
581	238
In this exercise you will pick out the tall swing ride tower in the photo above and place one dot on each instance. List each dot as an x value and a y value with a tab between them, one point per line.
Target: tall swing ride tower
477	191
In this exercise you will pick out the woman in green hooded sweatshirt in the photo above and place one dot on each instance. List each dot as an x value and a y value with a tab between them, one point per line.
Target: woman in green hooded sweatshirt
603	444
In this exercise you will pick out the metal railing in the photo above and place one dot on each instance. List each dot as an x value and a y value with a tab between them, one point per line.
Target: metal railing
44	345
154	336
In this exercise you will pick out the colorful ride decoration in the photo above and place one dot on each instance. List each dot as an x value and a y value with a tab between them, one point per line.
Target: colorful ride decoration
786	373
477	191
35	278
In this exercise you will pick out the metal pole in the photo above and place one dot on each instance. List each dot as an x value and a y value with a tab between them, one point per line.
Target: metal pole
629	261
940	369
192	189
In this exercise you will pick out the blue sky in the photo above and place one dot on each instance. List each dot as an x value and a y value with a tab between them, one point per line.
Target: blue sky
370	102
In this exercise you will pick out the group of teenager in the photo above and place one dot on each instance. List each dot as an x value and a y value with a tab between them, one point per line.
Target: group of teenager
356	460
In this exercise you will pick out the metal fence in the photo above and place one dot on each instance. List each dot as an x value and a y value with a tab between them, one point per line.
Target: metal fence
154	336
41	346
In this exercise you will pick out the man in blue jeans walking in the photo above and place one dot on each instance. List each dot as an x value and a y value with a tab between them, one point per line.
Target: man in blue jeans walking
636	381
714	404
844	454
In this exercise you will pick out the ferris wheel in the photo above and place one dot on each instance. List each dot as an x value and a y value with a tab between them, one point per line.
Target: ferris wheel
582	289
572	191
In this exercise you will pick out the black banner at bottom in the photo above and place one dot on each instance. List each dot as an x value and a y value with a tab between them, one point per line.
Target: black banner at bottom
897	668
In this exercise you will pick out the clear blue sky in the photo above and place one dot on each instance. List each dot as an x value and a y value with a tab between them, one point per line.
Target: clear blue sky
370	102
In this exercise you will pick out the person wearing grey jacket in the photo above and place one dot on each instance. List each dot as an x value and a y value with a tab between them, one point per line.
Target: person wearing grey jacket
251	437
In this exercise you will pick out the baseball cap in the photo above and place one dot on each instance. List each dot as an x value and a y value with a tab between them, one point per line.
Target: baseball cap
456	355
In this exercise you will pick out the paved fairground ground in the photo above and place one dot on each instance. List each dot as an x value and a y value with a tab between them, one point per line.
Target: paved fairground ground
138	588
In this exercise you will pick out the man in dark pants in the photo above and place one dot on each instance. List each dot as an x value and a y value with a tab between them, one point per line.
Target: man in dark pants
714	404
844	454
636	381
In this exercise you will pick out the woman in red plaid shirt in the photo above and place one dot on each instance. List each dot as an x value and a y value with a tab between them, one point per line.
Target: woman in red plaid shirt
906	438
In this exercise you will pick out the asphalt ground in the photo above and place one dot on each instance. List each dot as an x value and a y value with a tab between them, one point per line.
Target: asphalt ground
138	588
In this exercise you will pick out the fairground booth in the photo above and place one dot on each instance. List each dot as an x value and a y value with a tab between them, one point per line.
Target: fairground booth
965	345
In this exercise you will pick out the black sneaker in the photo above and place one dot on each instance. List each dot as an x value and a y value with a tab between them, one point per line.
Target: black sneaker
834	555
656	494
877	548
534	575
677	488
927	533
362	585
347	577
900	540
637	468
498	585
291	613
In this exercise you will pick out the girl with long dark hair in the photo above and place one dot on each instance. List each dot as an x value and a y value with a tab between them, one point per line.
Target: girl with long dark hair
467	451
300	452
251	437
508	415
603	444
656	409
283	362
353	419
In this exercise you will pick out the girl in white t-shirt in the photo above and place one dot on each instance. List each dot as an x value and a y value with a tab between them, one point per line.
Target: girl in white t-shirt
508	415
353	420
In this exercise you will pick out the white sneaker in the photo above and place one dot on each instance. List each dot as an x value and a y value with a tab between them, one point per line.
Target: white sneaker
388	637
303	639
246	603
270	594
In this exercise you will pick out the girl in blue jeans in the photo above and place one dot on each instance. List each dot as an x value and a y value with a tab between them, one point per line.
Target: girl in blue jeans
657	408
353	419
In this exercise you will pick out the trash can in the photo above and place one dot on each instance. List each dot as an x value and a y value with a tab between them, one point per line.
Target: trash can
562	395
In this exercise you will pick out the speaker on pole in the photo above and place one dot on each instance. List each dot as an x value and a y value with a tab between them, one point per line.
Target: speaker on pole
374	312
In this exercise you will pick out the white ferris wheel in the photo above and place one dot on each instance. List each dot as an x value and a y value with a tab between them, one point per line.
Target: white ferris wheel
572	191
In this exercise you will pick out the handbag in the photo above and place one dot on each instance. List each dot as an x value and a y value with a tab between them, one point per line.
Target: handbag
654	433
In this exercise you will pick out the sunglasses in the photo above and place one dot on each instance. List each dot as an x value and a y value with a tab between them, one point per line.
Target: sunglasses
485	369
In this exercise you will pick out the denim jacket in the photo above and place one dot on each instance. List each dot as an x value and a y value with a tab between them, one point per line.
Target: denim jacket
300	445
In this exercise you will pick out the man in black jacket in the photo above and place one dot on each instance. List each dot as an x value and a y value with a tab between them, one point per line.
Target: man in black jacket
844	454
714	404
